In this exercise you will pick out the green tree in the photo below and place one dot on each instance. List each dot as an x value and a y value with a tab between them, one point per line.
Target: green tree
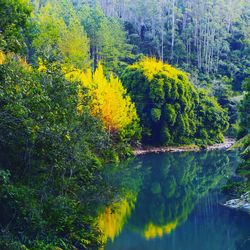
245	111
107	38
13	22
56	38
171	109
50	160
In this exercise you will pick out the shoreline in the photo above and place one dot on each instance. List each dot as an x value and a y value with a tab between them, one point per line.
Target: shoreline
228	143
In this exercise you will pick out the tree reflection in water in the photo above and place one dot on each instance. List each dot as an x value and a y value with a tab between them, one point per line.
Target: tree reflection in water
156	193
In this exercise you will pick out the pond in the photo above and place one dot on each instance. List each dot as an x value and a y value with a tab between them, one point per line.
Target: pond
173	201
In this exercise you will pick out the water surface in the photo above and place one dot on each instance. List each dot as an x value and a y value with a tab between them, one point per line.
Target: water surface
172	201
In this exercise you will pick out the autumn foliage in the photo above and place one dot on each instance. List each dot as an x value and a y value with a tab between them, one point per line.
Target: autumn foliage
107	98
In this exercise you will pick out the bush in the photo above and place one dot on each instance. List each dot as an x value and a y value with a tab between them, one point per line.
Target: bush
171	109
51	159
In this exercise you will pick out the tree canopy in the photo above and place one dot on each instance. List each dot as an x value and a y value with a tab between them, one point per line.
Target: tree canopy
171	109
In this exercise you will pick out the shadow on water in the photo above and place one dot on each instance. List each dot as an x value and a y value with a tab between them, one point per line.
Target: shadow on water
172	201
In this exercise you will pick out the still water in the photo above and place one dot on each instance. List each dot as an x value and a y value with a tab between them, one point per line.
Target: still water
173	201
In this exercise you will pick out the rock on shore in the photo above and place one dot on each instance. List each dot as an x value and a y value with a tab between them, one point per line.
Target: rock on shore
228	142
243	203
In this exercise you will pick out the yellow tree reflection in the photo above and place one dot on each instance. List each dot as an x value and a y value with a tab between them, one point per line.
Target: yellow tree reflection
153	231
112	220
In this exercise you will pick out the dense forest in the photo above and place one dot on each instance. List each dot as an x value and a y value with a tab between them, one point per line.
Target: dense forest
84	82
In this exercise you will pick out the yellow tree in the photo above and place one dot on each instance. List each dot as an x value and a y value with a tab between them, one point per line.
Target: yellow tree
2	57
108	98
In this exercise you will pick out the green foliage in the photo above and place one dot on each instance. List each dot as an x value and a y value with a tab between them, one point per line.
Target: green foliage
244	168
245	111
80	34
50	159
107	38
221	89
212	119
155	114
52	155
14	16
183	33
59	39
171	109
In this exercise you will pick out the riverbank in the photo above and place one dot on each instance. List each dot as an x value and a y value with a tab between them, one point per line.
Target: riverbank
228	142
